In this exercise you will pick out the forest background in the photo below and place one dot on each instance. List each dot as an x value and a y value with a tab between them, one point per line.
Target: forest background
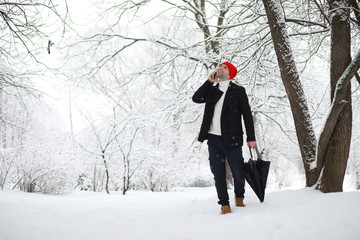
96	95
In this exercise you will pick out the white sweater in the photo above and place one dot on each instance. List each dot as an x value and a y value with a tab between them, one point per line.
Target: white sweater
215	127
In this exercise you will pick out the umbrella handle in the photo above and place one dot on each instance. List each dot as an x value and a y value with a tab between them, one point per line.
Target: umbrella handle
251	153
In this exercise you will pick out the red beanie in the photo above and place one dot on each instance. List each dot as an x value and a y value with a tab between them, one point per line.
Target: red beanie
232	69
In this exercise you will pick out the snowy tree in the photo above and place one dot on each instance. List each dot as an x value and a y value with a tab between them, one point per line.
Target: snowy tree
146	58
25	36
173	64
26	30
326	159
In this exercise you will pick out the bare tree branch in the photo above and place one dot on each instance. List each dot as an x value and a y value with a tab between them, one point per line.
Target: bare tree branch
322	12
305	22
357	77
356	10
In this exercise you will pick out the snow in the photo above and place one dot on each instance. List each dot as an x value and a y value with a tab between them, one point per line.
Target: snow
339	9
190	213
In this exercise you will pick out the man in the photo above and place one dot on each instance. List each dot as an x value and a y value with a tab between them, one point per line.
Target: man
225	104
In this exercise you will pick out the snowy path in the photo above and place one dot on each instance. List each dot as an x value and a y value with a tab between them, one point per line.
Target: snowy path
186	214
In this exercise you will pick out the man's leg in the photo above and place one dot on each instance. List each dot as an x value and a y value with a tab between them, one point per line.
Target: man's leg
217	165
236	163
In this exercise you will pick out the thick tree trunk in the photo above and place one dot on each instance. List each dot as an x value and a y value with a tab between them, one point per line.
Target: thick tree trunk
336	151
291	80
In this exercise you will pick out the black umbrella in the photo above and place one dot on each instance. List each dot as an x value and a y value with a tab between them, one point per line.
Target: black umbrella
256	173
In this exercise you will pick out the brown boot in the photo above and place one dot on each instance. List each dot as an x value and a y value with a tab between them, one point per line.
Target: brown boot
239	202
225	209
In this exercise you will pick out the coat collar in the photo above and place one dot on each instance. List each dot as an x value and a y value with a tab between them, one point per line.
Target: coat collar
228	95
232	85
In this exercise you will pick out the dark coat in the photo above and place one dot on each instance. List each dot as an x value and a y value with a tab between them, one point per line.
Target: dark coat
236	105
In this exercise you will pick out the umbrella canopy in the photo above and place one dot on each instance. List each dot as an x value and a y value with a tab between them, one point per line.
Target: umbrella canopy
256	173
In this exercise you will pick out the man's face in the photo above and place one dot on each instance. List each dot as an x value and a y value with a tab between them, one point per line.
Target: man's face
223	72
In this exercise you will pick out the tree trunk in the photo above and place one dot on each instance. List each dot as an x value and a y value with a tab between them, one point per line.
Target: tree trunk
106	171
94	179
229	178
336	151
125	175
334	142
291	80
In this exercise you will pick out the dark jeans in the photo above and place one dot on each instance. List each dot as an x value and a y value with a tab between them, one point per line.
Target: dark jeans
217	154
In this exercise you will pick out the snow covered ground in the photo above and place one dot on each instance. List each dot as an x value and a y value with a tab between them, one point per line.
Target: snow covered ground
183	214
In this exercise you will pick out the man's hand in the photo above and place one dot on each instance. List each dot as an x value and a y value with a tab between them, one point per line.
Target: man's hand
251	144
211	77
